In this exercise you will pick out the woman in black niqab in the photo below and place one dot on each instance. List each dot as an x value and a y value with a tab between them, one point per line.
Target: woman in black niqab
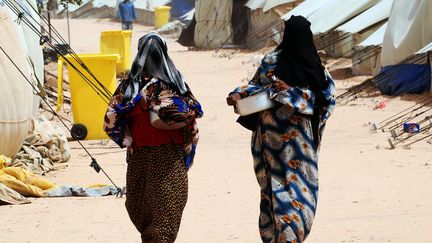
299	64
286	138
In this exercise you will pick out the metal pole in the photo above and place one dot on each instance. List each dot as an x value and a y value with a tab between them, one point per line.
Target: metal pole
49	25
67	17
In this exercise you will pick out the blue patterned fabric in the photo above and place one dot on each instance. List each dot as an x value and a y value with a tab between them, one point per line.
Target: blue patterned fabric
286	156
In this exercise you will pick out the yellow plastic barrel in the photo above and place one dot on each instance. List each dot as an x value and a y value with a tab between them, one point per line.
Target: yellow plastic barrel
162	15
88	108
117	42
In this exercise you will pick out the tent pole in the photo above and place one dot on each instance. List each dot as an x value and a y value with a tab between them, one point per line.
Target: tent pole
49	26
67	17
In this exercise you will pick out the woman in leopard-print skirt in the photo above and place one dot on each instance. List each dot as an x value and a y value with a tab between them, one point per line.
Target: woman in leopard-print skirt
158	159
157	187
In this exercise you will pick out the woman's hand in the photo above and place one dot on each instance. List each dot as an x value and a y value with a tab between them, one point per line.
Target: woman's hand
232	99
190	117
281	85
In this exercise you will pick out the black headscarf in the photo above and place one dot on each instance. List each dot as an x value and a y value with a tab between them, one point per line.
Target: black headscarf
299	64
152	59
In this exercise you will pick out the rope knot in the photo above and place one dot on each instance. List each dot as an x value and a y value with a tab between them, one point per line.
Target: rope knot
20	17
95	165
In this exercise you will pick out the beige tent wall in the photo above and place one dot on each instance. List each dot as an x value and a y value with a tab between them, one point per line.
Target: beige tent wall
213	27
344	47
265	28
17	95
366	64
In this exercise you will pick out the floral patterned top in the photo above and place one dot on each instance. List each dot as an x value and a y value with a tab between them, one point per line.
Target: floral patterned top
160	98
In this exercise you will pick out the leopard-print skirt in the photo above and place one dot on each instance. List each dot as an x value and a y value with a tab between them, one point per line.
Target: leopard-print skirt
157	188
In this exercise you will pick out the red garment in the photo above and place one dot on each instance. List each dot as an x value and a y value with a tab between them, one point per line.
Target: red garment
144	134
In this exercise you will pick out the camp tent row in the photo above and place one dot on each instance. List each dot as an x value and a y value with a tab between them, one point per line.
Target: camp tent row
241	22
264	19
376	34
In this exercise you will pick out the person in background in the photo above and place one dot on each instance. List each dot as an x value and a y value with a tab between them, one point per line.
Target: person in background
287	137
126	13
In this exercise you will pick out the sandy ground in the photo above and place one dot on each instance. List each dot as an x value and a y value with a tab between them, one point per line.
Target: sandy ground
368	193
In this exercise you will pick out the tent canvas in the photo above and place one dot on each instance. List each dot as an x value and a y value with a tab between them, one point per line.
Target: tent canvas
376	38
270	4
213	23
375	14
15	110
181	7
305	9
255	4
346	36
425	49
407	32
30	43
367	55
336	12
264	27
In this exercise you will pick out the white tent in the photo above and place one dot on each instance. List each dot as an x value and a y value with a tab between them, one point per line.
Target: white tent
370	17
17	95
346	36
30	42
425	49
270	4
408	30
265	23
305	9
255	4
189	15
335	12
376	38
213	23
367	55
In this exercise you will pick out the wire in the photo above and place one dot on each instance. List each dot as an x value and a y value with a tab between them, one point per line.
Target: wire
94	163
99	88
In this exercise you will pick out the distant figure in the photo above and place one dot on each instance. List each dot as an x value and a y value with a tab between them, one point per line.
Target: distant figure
126	12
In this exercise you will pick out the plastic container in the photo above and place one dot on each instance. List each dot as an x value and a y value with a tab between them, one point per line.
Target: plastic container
254	103
162	15
117	42
88	108
411	127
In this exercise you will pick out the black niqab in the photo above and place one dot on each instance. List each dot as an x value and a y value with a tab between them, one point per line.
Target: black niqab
299	64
